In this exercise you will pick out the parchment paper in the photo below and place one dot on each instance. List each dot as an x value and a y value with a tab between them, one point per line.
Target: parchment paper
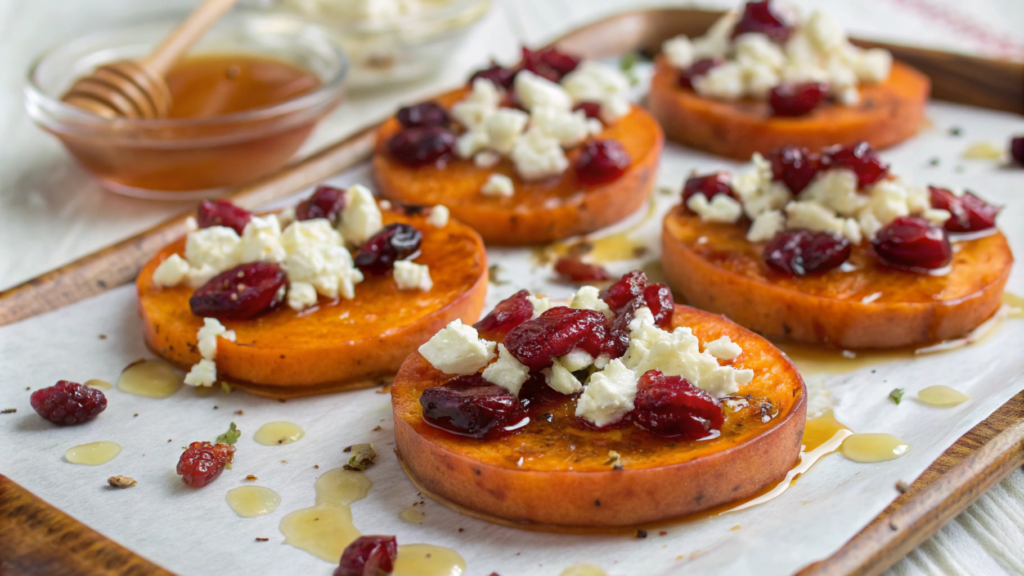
194	532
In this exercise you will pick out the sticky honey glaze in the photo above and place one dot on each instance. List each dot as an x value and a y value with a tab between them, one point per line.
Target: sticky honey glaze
943	396
93	453
102	384
428	560
873	447
253	501
278	433
412	515
150	379
326	529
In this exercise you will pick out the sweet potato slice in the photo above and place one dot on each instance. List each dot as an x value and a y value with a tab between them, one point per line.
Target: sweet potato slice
715	268
336	345
889	113
539	212
558	473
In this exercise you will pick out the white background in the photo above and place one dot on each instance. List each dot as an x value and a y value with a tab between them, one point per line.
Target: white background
51	213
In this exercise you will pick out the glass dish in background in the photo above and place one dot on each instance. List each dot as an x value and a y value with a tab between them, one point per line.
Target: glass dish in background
185	158
391	41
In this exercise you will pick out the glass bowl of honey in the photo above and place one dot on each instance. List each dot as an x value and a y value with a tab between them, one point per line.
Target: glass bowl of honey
243	102
393	41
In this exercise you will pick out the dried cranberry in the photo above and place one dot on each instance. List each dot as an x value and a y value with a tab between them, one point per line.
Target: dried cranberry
508	314
68	403
758	17
969	212
796	99
326	202
591	109
240	293
423	114
696	70
471	406
601	161
910	242
1017	149
549	63
794	167
860	158
536	343
671	406
709	185
499	75
576	270
368	556
222	213
202	462
421	146
630	286
658	298
802	252
394	242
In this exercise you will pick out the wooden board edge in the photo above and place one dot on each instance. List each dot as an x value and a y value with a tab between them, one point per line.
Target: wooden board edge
978	460
38	539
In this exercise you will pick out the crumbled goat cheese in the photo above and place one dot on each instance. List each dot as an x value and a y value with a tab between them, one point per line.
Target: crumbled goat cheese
766	225
498	185
204	373
412	276
458	349
207	337
217	246
723	348
261	240
328	268
608	396
560	379
577	359
171	271
439	216
534	91
486	159
301	295
540	304
589	298
361	218
537	156
722	208
507	372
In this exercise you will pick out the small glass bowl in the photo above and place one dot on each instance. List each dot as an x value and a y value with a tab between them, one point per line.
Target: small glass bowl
407	47
186	158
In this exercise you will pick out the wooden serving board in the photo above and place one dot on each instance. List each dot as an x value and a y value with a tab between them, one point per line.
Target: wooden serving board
36	538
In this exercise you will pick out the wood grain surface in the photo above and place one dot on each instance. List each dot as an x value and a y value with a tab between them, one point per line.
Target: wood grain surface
36	538
39	540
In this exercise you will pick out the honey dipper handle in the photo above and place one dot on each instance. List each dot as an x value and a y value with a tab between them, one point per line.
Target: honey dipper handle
186	34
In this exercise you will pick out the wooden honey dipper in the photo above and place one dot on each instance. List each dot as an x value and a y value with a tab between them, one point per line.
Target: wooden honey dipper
136	88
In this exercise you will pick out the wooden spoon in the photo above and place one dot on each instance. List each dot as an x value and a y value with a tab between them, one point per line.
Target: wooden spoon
136	88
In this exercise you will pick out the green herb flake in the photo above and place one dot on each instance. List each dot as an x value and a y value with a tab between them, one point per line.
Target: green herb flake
231	436
628	66
362	457
896	395
225	387
492	274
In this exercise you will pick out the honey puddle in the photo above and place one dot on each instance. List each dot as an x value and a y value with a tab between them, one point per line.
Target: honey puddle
150	379
93	453
253	501
613	248
428	560
98	384
873	447
326	529
810	359
412	515
583	570
942	396
822	436
278	433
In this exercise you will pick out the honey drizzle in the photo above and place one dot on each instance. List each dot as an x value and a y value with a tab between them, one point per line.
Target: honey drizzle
252	501
93	453
278	433
942	396
150	379
612	248
94	383
428	560
873	447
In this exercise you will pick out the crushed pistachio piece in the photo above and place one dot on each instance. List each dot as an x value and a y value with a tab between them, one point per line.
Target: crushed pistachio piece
231	436
896	395
362	457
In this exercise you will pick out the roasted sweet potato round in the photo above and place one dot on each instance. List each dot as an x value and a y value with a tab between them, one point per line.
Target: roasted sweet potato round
539	212
336	345
715	268
889	113
557	473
